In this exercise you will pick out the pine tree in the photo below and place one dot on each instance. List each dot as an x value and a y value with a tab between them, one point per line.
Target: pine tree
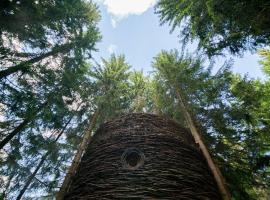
37	95
110	99
68	43
235	26
223	117
170	67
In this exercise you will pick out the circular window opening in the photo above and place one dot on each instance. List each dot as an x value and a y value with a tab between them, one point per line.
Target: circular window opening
132	158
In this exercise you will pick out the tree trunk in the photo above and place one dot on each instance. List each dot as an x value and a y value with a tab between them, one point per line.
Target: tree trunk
43	159
5	192
14	132
198	139
21	127
76	160
24	66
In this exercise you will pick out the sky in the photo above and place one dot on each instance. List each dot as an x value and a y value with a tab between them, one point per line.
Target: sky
130	27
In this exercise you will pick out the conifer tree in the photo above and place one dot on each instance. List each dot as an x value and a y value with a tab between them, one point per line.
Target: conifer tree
217	102
235	26
171	67
44	62
111	98
56	51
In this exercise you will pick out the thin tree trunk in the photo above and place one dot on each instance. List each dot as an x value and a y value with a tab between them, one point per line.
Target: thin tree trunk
5	192
25	65
198	139
72	169
14	132
21	127
43	159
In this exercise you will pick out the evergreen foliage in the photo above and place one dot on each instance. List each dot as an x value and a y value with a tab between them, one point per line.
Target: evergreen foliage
45	47
235	25
50	90
230	112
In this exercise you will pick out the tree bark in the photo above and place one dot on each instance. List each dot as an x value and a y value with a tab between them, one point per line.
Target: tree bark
72	169
5	192
14	132
20	127
198	139
25	65
43	159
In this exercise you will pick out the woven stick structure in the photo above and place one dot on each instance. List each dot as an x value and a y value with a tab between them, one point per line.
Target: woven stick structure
143	156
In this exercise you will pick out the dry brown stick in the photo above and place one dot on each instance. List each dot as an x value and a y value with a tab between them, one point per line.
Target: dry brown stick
198	139
72	169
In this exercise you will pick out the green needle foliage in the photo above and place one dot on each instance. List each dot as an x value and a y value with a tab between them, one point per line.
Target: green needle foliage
235	25
50	90
231	111
112	84
33	85
265	54
106	88
35	31
45	50
141	92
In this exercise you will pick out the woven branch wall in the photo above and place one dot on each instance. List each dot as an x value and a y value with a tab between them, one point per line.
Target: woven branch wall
143	156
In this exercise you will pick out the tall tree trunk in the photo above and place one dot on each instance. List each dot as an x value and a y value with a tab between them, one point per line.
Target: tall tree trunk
21	127
72	169
198	139
25	65
5	192
14	132
43	159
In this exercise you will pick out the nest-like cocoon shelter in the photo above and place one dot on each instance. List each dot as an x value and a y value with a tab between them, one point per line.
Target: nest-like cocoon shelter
143	156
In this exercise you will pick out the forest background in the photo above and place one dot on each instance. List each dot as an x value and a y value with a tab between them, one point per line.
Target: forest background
54	83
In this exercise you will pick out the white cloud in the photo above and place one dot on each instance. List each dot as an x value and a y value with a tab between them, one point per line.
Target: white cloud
123	8
120	9
112	48
113	22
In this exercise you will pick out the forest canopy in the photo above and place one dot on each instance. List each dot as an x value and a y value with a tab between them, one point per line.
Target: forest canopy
234	26
54	95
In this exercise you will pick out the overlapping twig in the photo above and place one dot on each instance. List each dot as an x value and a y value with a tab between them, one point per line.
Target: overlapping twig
174	167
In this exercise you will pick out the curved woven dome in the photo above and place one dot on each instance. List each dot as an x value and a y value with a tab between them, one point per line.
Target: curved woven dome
143	156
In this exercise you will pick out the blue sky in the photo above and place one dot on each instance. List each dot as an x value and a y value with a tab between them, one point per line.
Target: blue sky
130	27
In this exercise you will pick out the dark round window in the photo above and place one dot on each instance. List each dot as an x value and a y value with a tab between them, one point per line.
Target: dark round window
132	158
